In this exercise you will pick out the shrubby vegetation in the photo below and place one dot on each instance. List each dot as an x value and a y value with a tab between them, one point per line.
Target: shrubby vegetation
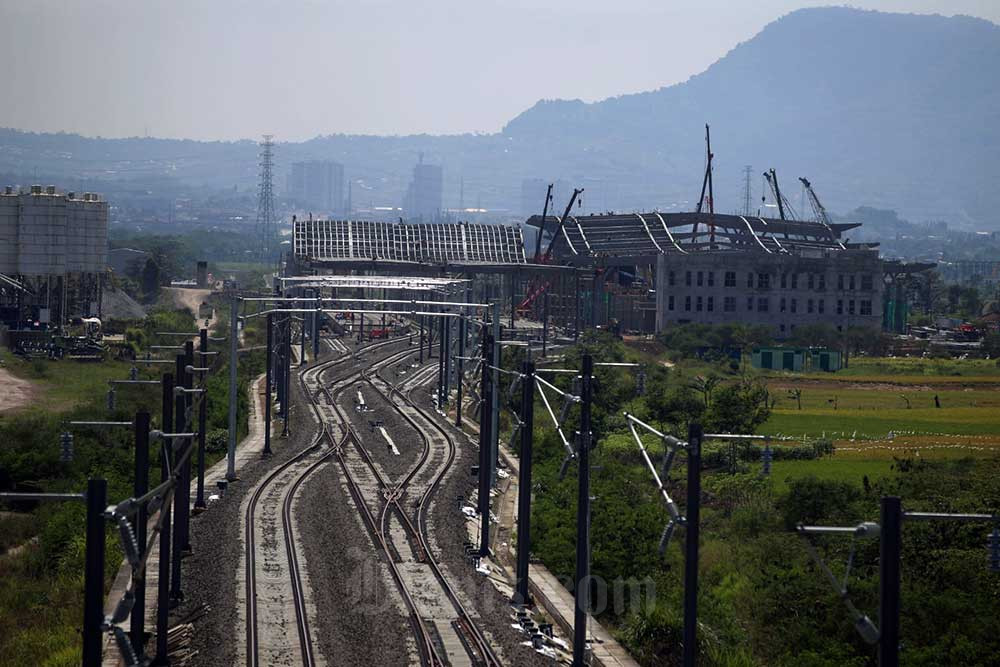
762	599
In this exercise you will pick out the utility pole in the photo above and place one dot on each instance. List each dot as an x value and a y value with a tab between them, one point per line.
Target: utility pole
268	373
233	399
485	446
521	595
582	582
163	580
890	548
692	522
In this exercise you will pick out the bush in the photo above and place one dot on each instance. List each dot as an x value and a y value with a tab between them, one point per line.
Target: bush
811	500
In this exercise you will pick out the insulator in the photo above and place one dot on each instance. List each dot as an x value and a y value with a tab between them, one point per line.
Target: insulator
129	543
993	544
125	648
867	630
133	373
668	462
668	532
122	609
111	399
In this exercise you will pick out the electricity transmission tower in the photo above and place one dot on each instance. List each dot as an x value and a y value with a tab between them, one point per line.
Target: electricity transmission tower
265	199
746	189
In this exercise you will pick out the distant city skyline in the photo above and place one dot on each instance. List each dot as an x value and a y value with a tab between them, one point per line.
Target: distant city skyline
229	70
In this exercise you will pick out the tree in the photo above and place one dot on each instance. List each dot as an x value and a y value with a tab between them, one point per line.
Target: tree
150	277
705	386
740	407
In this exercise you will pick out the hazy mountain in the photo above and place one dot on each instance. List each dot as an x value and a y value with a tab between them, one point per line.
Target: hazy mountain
888	110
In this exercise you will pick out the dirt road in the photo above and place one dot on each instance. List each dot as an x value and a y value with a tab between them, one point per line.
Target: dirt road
17	392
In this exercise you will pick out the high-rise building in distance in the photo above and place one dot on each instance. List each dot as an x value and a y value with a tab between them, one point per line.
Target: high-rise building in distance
318	184
423	199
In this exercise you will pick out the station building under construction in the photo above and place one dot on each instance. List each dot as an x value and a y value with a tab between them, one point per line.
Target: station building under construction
633	272
53	253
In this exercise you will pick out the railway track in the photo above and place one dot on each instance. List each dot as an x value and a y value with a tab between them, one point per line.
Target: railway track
445	632
274	585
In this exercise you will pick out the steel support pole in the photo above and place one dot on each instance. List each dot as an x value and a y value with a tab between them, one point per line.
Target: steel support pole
446	352
302	337
421	340
286	379
185	513
163	581
140	486
581	589
692	526
233	398
93	582
267	385
461	372
576	308
545	322
485	454
314	330
199	500
513	280
176	593
440	377
890	548
495	395
521	595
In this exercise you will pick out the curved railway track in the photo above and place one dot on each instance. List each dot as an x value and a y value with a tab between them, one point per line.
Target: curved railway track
436	457
269	569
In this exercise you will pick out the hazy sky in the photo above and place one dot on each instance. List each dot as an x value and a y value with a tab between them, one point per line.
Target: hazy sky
227	69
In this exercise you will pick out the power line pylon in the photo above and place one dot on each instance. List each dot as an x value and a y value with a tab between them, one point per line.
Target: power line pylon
265	199
746	189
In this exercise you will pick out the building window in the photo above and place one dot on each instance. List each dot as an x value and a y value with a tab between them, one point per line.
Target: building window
687	278
698	304
850	284
670	302
711	278
850	307
701	277
762	304
840	306
710	305
840	281
781	305
784	280
822	282
670	278
866	282
763	280
812	279
750	303
809	305
821	305
687	303
793	305
729	304
866	307
795	281
782	328
730	279
750	279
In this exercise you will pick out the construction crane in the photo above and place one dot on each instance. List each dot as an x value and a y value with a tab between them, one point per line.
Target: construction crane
818	209
541	228
784	207
707	181
537	288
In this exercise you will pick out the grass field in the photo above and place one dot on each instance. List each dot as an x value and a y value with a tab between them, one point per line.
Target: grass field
62	385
